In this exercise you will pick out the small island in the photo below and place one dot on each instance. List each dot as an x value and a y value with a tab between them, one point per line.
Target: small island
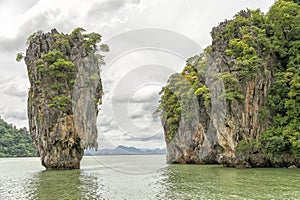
66	89
238	103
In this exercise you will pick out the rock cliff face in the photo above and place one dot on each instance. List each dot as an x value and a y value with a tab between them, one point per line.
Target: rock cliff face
239	117
217	110
64	95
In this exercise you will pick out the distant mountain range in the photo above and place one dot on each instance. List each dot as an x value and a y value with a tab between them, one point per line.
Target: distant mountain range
123	150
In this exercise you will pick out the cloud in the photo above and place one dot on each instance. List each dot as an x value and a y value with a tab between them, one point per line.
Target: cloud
16	117
18	6
142	111
3	79
14	44
15	114
102	9
148	93
143	93
45	15
11	44
14	87
106	121
137	114
14	91
159	136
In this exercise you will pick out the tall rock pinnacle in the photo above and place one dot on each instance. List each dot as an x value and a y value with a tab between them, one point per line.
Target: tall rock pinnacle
64	95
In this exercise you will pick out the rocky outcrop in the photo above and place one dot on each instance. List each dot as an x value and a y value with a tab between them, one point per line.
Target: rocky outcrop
235	74
64	95
195	140
236	118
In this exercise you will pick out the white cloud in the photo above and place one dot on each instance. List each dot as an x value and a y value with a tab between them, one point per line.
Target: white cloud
16	114
14	87
3	79
146	93
132	82
15	91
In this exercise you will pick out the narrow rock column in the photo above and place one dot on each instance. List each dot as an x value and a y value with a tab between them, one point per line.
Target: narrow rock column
64	95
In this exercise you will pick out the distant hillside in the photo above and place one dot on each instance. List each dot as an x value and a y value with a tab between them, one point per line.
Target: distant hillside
122	150
15	142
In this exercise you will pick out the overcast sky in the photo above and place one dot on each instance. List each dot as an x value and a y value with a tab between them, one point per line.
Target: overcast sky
149	40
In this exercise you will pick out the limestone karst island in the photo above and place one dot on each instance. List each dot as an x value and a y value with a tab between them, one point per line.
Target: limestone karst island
246	86
137	99
66	89
235	104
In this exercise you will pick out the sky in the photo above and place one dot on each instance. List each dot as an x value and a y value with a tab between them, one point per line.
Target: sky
149	40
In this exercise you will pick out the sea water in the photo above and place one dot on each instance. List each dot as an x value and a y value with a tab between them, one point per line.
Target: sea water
143	177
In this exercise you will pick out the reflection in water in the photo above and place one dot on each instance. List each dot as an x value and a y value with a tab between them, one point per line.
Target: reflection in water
65	184
23	179
217	182
189	182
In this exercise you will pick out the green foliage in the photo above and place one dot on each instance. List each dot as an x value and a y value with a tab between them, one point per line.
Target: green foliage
264	115
183	92
231	87
15	142
90	40
62	42
104	48
63	103
56	86
252	37
52	56
284	96
297	1
246	58
230	96
247	50
19	57
292	133
247	146
56	73
31	38
193	61
278	34
77	32
256	45
62	74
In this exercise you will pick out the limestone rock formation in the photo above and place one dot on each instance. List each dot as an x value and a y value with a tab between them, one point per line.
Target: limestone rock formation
64	95
220	109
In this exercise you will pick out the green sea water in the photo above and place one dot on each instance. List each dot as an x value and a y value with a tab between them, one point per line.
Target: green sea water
143	177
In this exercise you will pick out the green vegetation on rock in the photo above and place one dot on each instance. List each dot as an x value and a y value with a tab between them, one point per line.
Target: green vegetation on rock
180	94
66	89
260	61
282	39
284	98
59	68
278	34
